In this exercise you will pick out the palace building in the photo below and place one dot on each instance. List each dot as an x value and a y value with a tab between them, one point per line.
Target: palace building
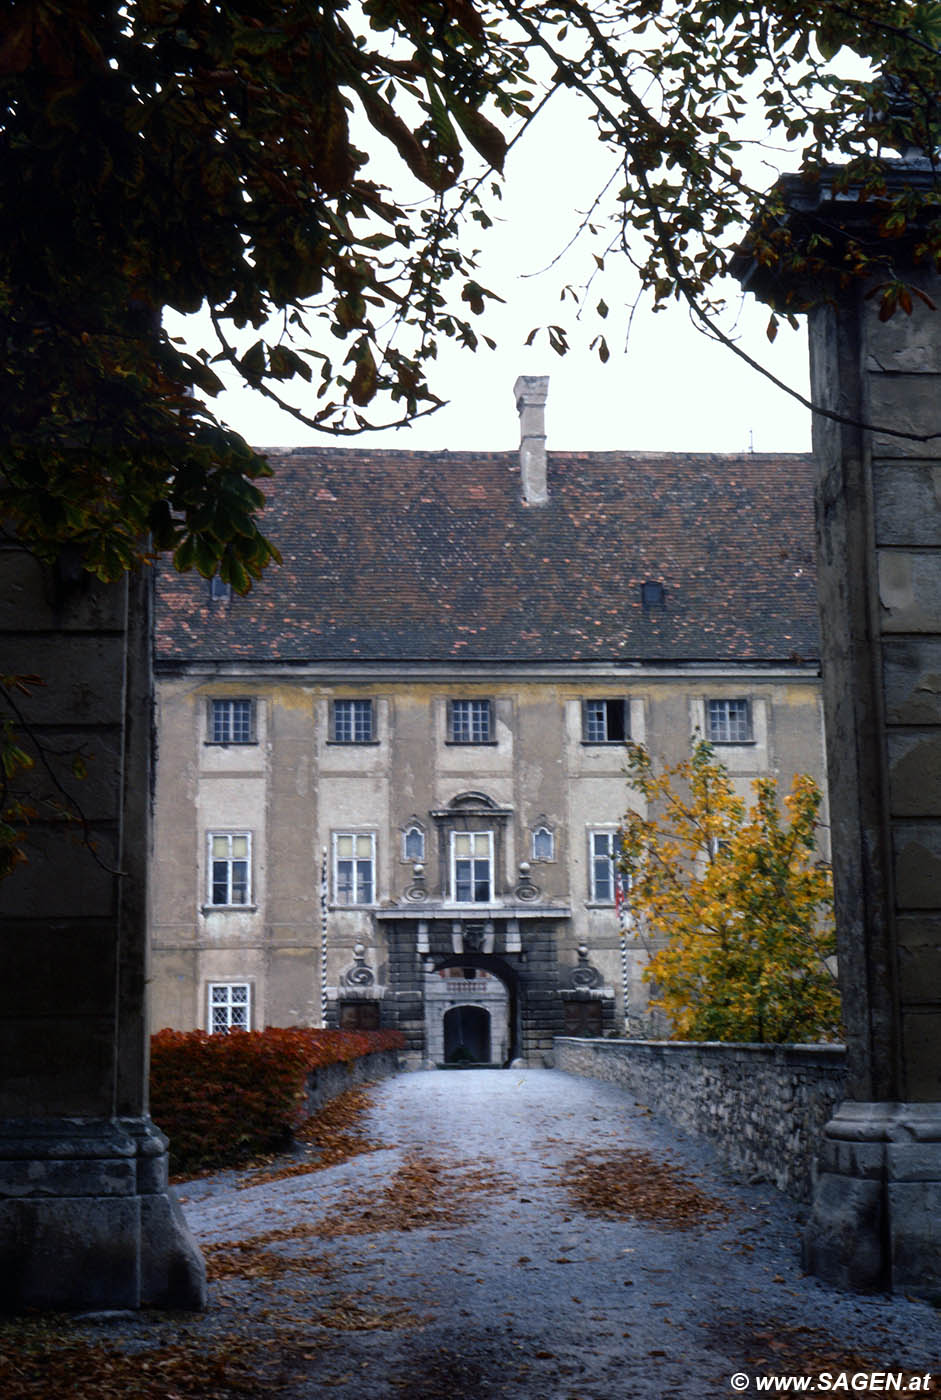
428	700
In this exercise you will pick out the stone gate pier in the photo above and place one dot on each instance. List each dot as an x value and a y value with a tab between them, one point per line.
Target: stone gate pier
85	1216
877	1208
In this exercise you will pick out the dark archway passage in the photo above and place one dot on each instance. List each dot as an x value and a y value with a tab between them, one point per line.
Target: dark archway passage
467	1035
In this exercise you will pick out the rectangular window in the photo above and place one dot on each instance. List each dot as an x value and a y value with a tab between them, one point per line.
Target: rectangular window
353	722
728	721
230	1007
603	850
354	861
231	721
472	867
230	857
470	722
604	721
359	1015
582	1018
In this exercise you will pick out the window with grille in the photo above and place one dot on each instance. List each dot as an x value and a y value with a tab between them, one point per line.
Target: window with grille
582	1018
353	722
472	867
470	722
603	852
604	721
359	1015
354	861
230	855
728	721
231	721
230	1007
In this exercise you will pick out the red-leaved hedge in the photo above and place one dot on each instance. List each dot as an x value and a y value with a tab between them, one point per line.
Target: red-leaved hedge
223	1099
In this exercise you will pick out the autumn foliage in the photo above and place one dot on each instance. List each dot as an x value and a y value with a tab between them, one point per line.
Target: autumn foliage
224	1099
741	898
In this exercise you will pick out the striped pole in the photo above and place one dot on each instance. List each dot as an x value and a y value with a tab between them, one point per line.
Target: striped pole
323	939
624	924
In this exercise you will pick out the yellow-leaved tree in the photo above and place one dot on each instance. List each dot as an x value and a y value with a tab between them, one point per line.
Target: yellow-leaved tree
741	896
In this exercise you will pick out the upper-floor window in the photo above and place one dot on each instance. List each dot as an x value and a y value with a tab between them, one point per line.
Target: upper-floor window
354	867
219	589
603	853
543	844
470	722
413	843
353	722
231	721
472	867
728	721
605	721
230	867
230	1007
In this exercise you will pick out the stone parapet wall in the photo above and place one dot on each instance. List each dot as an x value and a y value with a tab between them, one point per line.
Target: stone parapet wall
328	1081
763	1106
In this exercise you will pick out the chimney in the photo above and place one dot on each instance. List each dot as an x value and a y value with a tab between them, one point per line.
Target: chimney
531	391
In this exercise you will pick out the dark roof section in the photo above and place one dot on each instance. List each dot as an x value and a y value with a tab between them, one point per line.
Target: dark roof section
396	555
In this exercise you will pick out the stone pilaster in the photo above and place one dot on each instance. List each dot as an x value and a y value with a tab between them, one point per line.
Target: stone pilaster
85	1216
876	1219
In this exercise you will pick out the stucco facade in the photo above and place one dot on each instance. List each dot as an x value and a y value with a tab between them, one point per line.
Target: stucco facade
434	690
538	786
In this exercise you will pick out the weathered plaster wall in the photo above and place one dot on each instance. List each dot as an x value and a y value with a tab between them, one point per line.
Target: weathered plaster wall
294	787
764	1106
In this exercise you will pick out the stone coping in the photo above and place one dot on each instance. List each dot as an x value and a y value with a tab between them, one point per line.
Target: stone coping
812	1050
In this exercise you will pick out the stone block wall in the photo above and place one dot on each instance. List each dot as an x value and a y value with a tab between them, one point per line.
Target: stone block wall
328	1081
764	1107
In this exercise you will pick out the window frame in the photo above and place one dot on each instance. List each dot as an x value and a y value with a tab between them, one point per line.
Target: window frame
355	902
452	868
219	590
229	1005
211	858
486	707
536	831
353	701
219	700
420	833
610	834
606	701
727	701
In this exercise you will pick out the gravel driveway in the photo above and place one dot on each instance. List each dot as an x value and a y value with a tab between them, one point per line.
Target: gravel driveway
455	1262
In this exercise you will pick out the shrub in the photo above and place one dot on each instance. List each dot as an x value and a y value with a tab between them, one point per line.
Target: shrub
223	1099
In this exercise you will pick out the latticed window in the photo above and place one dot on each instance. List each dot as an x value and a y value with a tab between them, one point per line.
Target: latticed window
229	1007
354	858
232	721
472	867
230	856
603	851
470	722
604	721
353	721
728	721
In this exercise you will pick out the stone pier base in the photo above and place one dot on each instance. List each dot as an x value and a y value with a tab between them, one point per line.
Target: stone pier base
876	1221
86	1220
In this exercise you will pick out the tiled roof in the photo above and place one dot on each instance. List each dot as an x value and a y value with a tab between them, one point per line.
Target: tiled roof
435	556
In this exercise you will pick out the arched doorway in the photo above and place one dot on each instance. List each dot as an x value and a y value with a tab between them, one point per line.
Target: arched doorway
471	1011
467	1035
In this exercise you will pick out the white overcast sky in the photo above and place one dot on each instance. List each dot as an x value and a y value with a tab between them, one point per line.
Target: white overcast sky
669	388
